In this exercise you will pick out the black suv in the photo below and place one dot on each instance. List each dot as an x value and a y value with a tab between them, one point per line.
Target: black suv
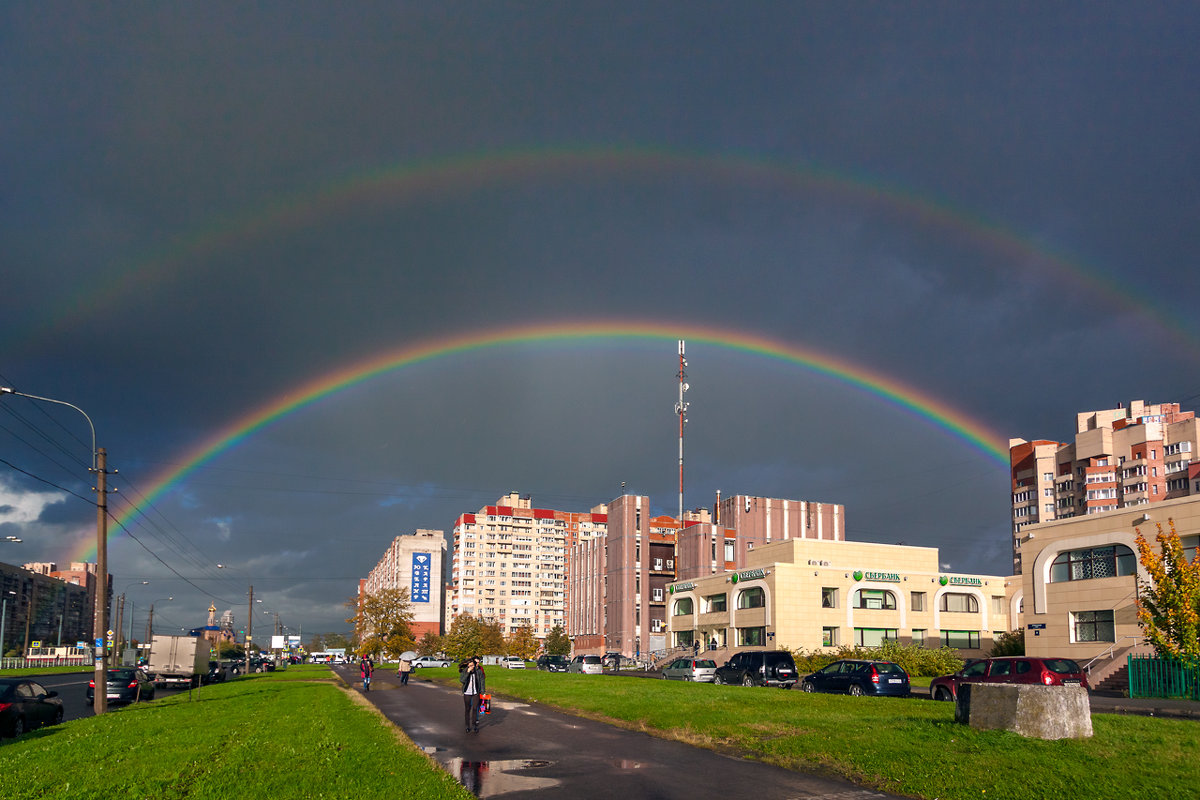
759	668
550	663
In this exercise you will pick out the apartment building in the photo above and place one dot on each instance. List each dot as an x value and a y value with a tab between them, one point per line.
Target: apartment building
39	605
509	562
619	584
1120	458
414	562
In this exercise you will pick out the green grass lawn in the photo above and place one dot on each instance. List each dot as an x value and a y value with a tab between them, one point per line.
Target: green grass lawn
906	746
288	734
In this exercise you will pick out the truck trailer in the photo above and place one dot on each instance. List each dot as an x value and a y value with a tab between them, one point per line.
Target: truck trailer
178	660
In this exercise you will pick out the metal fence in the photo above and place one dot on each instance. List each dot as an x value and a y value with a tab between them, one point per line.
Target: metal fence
33	663
1153	676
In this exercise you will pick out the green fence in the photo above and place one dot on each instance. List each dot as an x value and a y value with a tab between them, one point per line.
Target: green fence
1151	676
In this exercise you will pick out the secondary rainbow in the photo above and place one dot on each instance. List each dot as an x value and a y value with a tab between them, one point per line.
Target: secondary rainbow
419	181
888	389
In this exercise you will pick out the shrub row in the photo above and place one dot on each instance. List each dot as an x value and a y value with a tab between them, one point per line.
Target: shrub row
916	660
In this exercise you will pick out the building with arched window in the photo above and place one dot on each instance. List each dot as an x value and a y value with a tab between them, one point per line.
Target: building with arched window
811	594
1080	582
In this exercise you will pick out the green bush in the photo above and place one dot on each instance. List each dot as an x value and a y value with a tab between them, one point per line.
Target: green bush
1009	643
916	660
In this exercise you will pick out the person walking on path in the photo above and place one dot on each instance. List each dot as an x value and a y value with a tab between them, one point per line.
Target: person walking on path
367	669
472	678
404	670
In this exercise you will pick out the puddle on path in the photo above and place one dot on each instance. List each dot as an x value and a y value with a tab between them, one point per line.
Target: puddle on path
492	778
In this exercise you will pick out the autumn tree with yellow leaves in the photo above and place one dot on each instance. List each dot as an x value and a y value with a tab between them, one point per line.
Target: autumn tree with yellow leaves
1168	606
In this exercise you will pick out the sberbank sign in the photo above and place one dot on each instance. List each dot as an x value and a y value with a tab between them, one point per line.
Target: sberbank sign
890	577
749	575
954	580
682	587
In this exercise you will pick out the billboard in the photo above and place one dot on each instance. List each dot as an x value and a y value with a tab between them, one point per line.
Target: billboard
419	593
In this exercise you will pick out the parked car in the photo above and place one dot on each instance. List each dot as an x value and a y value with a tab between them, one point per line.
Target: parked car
1010	669
550	663
858	678
218	671
586	665
514	662
125	685
611	660
701	670
430	661
26	704
759	668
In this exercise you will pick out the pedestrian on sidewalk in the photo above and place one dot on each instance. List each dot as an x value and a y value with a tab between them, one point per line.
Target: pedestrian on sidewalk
367	669
472	678
404	670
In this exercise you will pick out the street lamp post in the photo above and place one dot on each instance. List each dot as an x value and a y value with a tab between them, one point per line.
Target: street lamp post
150	619
100	618
120	626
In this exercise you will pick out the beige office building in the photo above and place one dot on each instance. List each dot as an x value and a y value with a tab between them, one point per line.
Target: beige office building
811	594
1080	582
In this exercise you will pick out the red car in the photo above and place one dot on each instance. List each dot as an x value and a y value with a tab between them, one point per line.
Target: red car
1010	669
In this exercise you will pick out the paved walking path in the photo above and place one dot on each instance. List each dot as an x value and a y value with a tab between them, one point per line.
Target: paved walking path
526	750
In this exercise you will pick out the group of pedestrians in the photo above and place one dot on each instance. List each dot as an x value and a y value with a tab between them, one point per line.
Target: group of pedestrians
470	674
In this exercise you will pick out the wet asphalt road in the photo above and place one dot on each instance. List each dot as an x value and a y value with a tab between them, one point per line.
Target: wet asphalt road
526	750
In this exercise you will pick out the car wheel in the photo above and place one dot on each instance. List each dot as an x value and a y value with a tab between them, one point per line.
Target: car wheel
18	726
943	694
58	717
664	676
747	681
808	686
856	690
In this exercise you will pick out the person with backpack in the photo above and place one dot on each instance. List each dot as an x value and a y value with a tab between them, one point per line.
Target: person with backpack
473	681
404	670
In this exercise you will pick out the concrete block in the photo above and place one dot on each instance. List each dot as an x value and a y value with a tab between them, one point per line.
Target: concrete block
1039	712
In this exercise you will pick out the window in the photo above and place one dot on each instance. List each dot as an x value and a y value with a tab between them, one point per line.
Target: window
918	601
829	637
962	640
1094	626
918	637
683	638
714	603
752	598
874	637
1097	562
729	556
683	606
828	597
998	604
874	598
957	601
751	637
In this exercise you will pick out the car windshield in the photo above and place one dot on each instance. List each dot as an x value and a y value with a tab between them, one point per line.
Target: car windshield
889	669
591	659
120	674
1062	666
705	663
780	660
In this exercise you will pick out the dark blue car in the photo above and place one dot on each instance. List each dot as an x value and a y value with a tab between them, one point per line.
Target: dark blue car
859	678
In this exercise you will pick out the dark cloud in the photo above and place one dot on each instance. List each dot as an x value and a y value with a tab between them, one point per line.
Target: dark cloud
992	205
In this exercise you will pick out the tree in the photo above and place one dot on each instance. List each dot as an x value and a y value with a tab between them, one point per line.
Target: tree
557	642
523	643
1009	643
430	644
1168	605
471	636
383	622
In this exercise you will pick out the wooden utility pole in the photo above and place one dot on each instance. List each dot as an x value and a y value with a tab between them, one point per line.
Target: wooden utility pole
100	622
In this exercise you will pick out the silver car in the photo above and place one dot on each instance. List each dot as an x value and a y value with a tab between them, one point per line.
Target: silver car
703	670
586	665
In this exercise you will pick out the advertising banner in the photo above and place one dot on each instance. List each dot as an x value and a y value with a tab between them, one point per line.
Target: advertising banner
420	577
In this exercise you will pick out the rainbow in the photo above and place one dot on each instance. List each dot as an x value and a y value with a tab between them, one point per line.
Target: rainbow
419	181
890	390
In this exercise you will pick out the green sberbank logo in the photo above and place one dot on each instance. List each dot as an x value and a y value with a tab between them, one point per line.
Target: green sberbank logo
943	580
858	574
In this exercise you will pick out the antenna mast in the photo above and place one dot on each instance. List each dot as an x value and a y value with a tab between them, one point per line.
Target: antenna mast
681	409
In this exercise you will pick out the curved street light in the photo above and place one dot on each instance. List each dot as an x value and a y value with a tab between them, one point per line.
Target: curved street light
150	619
100	598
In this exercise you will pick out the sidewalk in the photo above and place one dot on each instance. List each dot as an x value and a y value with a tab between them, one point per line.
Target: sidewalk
525	750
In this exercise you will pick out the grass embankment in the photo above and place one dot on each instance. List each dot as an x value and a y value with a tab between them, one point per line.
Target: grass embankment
906	746
288	734
18	673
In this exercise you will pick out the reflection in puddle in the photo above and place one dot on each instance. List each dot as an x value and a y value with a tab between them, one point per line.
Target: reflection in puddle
624	763
491	778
